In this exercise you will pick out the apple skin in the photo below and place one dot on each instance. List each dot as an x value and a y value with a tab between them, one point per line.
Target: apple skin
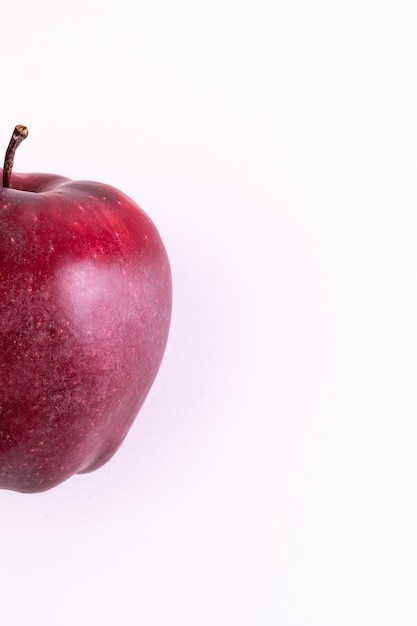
85	308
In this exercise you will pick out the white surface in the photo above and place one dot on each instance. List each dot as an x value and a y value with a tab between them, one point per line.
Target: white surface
271	476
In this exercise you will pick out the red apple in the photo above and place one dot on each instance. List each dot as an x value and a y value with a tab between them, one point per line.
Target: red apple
85	307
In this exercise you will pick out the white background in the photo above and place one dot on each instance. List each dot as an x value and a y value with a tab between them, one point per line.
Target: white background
271	477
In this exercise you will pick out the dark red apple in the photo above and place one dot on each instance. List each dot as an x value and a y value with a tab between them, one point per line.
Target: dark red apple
85	307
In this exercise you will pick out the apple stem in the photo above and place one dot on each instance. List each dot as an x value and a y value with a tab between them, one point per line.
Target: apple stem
19	134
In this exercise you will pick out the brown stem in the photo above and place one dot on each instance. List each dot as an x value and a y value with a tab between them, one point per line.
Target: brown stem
19	134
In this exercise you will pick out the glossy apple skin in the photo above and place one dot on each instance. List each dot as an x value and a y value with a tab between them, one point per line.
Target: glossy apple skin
85	308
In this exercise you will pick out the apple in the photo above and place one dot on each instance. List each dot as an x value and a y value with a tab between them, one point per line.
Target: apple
85	308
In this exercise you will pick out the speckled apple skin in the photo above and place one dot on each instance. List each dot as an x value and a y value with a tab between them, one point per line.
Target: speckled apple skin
85	308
